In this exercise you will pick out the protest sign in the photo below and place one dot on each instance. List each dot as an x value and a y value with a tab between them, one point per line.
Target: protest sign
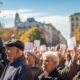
28	46
43	48
53	48
48	48
62	46
37	43
71	43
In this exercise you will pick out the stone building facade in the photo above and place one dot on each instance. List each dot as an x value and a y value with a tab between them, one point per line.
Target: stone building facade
30	22
74	23
53	36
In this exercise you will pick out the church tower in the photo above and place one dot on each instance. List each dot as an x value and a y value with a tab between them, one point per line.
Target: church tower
17	20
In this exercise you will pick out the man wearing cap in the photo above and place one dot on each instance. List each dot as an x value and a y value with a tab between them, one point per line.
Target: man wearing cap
17	69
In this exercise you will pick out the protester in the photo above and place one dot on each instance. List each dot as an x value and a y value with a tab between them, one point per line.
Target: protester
70	69
50	63
68	59
58	63
17	69
1	68
58	47
3	58
32	59
13	36
78	76
61	61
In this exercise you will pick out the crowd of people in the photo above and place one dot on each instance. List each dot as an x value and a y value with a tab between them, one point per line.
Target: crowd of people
16	63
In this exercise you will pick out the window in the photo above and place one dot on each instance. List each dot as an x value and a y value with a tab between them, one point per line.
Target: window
77	18
72	24
72	30
77	24
72	18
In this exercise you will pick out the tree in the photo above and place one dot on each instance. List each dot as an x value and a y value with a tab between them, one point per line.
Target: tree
20	33
77	35
24	39
5	34
33	34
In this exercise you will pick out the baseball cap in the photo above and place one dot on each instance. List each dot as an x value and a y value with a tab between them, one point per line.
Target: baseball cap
15	43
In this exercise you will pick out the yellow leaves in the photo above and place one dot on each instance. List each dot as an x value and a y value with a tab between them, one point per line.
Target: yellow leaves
5	34
77	35
24	39
30	35
25	35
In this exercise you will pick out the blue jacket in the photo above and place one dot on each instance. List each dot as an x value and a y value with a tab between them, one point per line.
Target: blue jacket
17	70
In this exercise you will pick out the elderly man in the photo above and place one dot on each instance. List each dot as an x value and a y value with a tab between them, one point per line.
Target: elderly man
50	62
17	69
31	59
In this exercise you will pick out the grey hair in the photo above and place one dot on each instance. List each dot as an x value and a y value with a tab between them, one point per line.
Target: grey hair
54	56
32	53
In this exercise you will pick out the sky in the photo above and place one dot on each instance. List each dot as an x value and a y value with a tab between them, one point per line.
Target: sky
56	12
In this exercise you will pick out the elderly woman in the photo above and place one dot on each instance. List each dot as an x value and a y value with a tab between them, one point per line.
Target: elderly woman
31	59
50	62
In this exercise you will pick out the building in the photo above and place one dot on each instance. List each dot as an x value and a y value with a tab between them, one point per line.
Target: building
74	22
51	34
30	22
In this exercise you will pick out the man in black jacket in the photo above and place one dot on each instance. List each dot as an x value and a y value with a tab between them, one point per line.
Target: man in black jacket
17	69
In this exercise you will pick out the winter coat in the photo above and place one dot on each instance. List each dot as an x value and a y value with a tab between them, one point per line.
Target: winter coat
53	75
17	70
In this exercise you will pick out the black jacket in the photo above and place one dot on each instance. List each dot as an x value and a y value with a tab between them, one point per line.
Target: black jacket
54	75
36	71
3	58
1	68
17	70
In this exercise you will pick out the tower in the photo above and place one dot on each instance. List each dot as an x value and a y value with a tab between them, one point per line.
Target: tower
17	20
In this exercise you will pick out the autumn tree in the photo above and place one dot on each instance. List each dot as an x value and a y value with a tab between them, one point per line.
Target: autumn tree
5	34
77	35
20	33
33	34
